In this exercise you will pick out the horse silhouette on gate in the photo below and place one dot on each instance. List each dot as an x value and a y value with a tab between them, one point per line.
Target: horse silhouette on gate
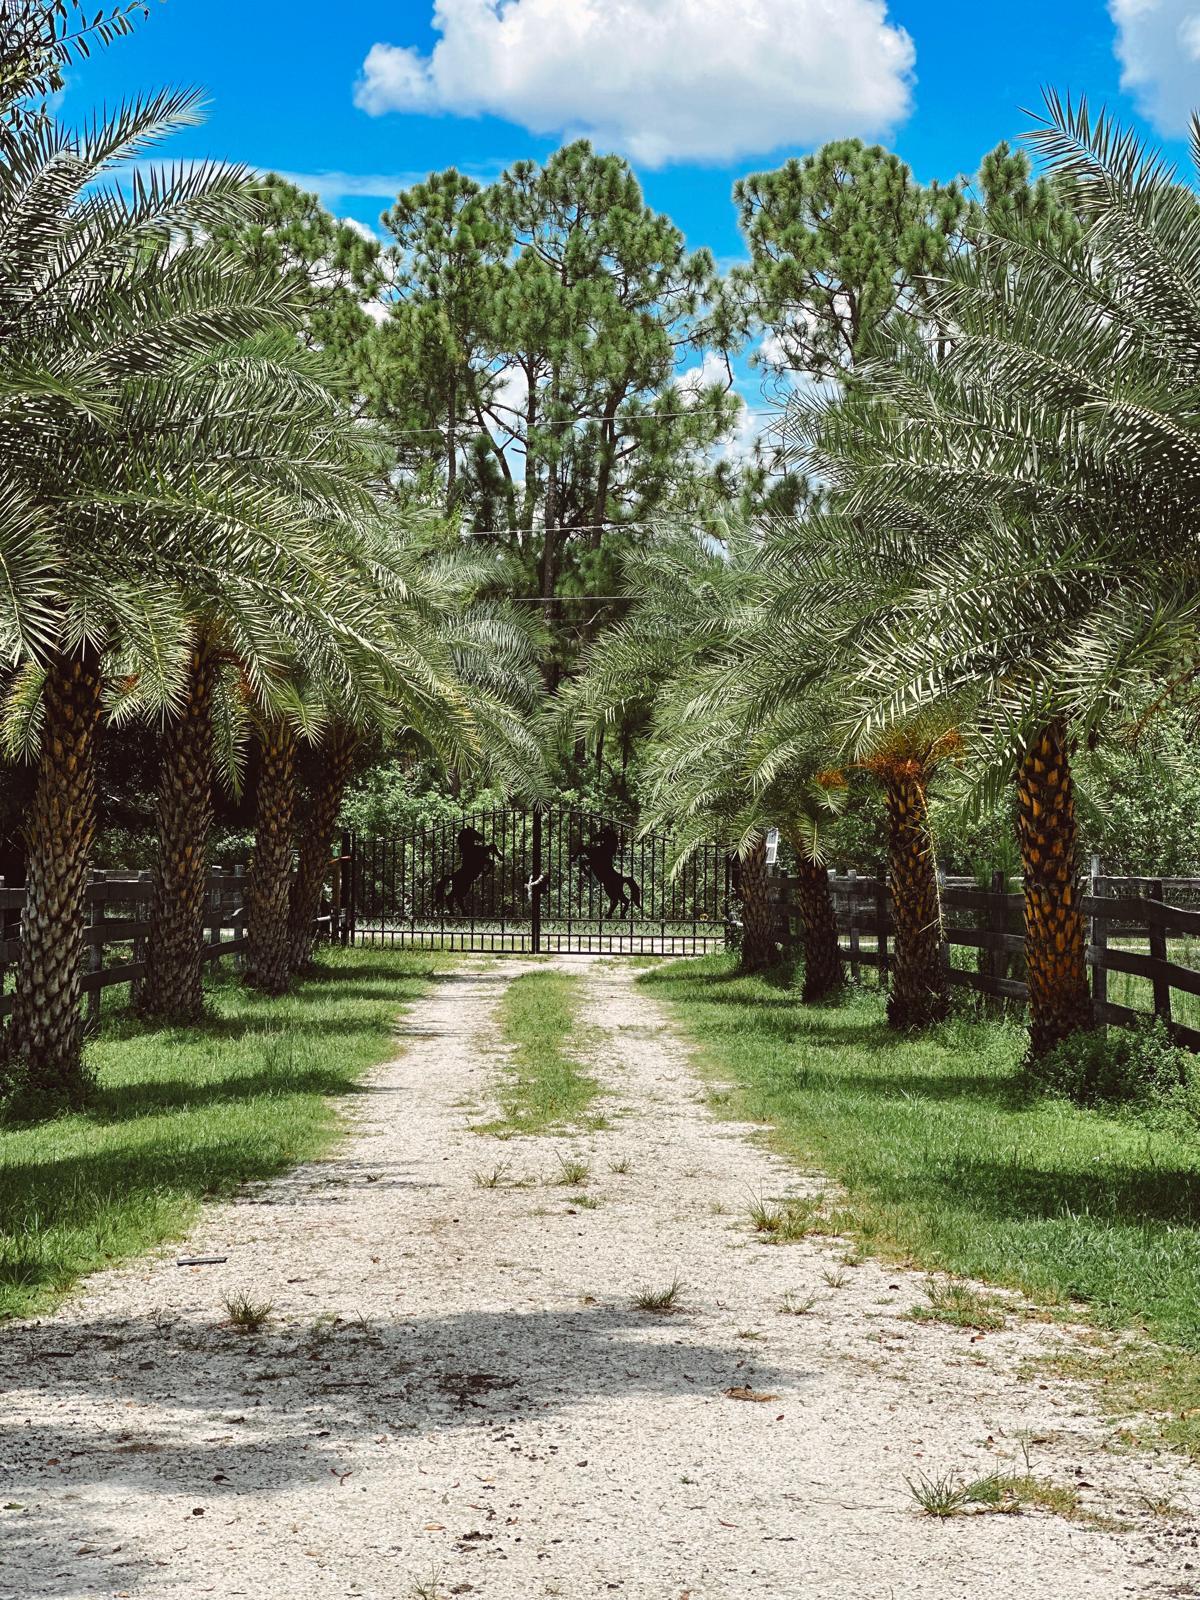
599	858
477	855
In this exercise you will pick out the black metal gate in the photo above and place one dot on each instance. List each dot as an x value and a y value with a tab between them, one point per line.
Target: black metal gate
555	880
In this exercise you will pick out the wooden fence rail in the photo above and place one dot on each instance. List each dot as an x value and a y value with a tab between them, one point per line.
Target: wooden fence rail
1120	911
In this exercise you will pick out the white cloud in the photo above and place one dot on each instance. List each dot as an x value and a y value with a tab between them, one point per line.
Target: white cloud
330	187
695	380
1158	46
664	80
361	228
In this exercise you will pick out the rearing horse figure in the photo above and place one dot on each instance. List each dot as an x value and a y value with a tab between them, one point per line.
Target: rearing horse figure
476	856
600	859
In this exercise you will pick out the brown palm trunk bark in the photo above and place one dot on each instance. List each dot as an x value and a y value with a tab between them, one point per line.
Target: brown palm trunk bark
43	1047
920	992
333	764
759	949
1055	944
823	971
269	880
172	989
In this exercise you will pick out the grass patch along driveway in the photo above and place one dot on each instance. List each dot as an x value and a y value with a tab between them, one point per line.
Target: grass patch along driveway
187	1113
945	1159
546	1085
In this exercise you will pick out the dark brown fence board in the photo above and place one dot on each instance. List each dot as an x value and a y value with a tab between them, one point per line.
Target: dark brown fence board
984	983
980	900
984	939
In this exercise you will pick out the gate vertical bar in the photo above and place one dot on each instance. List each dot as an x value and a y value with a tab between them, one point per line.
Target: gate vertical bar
535	892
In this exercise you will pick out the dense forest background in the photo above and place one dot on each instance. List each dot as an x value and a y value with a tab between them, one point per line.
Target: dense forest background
562	383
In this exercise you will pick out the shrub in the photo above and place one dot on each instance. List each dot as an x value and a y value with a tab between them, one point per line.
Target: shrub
1139	1068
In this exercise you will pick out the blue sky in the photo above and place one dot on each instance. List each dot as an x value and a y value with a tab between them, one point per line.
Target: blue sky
362	96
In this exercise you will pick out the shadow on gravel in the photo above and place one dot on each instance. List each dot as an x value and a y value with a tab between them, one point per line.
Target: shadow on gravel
264	1411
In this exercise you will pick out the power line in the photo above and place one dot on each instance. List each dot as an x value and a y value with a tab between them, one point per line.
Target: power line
645	416
572	527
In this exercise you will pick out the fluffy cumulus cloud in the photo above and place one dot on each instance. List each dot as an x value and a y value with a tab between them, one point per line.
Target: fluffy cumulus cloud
664	80
1158	46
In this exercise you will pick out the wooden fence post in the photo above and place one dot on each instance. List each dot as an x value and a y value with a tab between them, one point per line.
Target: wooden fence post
852	904
881	917
785	913
93	920
239	895
1099	944
1158	952
997	923
945	942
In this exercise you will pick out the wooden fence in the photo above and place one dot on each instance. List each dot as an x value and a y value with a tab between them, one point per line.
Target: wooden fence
118	907
1132	925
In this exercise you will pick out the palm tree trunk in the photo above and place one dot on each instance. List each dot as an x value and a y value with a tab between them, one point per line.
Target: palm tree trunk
334	762
269	880
172	989
759	950
44	1043
920	993
1055	944
823	972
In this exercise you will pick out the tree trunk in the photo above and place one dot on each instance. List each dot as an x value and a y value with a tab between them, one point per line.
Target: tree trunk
269	880
44	1043
1055	944
334	761
822	959
172	989
759	950
920	992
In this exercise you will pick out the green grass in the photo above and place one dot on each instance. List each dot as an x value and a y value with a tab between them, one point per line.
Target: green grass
546	1086
186	1113
946	1160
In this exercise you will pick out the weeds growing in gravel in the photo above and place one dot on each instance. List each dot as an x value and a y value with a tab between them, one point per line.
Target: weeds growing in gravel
958	1304
835	1277
246	1315
785	1221
493	1179
429	1588
659	1300
621	1167
572	1171
947	1495
797	1305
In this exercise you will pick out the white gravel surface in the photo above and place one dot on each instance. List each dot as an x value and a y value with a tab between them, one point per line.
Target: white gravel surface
490	1416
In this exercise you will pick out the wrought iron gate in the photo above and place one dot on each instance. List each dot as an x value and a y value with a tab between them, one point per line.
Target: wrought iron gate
555	880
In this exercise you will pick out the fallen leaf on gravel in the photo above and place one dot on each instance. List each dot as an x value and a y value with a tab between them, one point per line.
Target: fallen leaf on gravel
725	1524
435	1527
740	1391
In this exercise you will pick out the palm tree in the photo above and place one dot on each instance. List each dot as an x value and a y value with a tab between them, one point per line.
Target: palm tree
103	304
268	885
1029	480
274	464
